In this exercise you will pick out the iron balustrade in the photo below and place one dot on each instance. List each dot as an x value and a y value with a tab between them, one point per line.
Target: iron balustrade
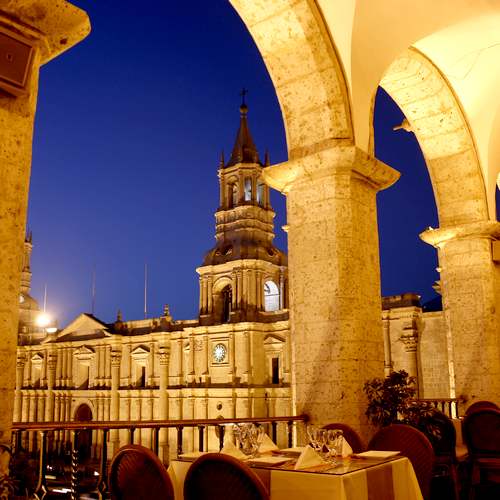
45	429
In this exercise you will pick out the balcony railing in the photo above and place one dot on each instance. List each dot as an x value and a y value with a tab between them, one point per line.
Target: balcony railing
448	406
46	441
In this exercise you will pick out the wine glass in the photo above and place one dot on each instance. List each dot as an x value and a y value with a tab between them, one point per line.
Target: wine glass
334	438
237	435
311	434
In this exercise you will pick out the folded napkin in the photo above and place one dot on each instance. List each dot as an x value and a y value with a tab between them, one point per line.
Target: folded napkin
308	458
346	448
267	445
230	449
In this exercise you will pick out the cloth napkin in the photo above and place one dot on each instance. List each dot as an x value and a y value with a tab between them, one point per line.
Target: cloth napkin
267	445
308	458
346	448
230	449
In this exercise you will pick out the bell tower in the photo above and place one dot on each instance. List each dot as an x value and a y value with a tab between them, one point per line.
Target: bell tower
243	277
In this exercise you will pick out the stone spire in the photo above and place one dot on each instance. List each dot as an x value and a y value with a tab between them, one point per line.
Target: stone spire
244	150
26	265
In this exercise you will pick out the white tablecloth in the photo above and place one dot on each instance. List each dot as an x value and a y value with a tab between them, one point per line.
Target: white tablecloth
394	480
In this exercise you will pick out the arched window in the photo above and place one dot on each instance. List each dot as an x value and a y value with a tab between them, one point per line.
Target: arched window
260	194
248	189
226	304
271	296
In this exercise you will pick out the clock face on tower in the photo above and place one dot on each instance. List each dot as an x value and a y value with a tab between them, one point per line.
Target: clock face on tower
219	353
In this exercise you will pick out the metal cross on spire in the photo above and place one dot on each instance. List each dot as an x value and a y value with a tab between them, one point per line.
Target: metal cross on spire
243	93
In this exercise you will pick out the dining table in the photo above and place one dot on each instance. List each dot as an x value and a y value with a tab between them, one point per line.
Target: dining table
351	478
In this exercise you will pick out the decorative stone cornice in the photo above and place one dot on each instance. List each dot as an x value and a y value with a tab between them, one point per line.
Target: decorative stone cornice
343	159
440	236
53	25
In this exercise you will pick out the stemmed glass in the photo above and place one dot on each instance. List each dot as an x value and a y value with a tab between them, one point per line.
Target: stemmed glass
249	438
317	437
333	441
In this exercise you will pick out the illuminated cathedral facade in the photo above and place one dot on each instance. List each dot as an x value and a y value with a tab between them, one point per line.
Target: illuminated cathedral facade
231	361
234	360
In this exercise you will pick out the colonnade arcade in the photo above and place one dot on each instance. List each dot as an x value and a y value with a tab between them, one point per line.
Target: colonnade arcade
325	77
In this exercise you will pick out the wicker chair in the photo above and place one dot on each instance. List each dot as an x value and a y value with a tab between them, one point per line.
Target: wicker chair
480	405
412	444
217	476
350	435
136	473
441	433
481	430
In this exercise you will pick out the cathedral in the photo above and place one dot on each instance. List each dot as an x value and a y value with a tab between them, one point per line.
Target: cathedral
233	360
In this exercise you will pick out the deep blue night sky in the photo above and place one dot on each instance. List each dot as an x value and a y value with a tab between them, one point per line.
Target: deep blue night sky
129	128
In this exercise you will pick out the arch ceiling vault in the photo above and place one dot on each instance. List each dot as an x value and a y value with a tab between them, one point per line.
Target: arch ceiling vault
327	58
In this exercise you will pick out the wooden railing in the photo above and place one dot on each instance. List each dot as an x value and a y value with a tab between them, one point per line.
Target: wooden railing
45	431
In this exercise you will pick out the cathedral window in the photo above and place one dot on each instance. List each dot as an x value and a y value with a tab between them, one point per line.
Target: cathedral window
275	367
226	304
260	194
141	376
82	375
271	296
248	189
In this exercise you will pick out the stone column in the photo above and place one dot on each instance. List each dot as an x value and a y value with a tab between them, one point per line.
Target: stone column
16	132
210	308
190	375
239	288
31	418
334	278
116	358
51	376
205	364
59	368
164	357
282	288
21	361
470	285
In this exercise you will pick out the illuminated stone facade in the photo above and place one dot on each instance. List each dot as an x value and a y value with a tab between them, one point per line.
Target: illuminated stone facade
233	361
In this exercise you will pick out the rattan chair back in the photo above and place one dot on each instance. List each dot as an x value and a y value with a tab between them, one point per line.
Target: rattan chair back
481	405
216	476
414	445
136	473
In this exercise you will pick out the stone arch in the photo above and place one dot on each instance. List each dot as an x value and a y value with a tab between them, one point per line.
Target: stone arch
435	116
305	69
222	299
84	413
271	295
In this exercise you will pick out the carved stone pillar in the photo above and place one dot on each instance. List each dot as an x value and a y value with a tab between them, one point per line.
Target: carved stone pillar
410	340
21	361
164	358
116	358
470	285
334	276
51	376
